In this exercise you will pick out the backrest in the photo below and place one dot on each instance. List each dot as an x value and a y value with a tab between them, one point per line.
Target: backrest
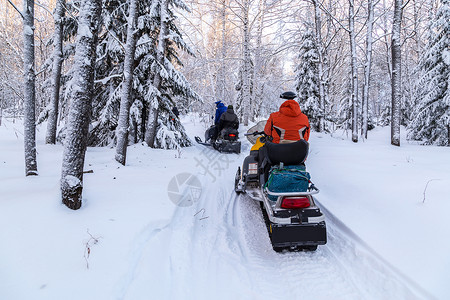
289	154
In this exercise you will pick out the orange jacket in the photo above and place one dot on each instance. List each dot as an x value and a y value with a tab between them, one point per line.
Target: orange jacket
288	124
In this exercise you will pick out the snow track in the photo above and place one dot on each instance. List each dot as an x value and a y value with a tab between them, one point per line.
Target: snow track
219	248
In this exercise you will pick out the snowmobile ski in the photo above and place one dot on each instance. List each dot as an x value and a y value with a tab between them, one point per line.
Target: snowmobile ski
199	140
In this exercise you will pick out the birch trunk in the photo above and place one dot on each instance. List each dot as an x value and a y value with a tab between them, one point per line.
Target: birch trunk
152	125
318	24
386	42
56	73
258	74
127	86
1	105
396	73
80	109
354	67
29	91
367	68
247	63
222	81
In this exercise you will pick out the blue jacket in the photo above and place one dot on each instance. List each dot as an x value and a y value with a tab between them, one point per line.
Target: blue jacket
221	108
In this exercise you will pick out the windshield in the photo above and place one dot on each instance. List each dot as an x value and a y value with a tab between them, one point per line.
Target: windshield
257	128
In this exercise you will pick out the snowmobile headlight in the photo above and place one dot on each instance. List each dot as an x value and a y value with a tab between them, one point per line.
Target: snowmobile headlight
253	168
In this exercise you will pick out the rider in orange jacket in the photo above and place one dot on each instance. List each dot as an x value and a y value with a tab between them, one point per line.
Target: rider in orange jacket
288	124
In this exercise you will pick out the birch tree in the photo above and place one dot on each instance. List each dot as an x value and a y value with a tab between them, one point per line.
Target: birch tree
320	66
354	71
56	73
223	52
29	90
246	72
396	73
258	80
367	68
80	109
150	135
125	102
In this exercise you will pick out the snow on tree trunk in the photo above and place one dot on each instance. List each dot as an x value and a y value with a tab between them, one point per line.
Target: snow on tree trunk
80	109
367	67
258	80
396	73
354	67
222	79
150	135
29	91
318	23
246	76
1	104
127	86
56	73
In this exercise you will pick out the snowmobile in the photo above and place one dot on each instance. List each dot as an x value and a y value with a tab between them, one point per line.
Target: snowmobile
275	175
227	140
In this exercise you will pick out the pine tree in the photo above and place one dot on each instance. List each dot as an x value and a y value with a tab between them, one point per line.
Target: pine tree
148	68
307	78
432	116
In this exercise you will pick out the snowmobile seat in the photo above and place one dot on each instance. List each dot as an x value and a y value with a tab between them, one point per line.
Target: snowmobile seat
288	154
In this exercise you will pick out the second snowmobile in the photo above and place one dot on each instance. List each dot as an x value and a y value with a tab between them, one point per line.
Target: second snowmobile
275	175
227	140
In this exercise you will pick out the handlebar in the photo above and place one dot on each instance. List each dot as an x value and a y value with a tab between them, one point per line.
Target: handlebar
256	133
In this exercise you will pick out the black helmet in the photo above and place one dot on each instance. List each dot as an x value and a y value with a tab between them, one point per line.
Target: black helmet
288	95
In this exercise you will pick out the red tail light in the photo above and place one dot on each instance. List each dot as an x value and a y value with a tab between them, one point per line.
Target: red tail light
295	202
232	135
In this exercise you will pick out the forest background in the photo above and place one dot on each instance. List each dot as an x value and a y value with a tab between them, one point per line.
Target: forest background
354	64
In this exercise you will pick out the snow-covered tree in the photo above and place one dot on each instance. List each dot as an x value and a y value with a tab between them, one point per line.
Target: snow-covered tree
246	62
173	85
431	124
29	89
396	72
124	114
56	72
75	143
354	69
367	68
307	78
239	87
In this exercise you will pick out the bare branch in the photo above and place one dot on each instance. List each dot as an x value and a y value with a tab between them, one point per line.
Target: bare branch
20	13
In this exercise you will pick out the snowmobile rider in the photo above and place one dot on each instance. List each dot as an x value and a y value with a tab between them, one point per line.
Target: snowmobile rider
214	130
220	109
228	119
288	124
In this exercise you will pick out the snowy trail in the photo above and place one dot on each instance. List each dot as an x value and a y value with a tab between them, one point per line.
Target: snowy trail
223	240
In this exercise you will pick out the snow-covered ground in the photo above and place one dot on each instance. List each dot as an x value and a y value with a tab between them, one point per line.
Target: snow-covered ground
169	225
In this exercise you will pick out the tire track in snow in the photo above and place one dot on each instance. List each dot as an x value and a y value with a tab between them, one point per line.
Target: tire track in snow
229	255
142	240
382	272
298	275
338	270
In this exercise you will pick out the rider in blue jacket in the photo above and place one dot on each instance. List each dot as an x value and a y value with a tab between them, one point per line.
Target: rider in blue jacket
213	131
220	109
